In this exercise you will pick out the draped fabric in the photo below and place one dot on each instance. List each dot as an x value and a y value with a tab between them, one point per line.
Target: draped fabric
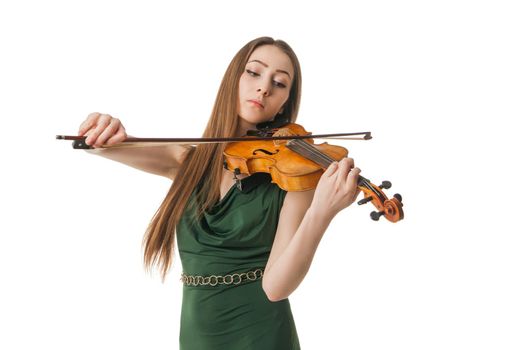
234	236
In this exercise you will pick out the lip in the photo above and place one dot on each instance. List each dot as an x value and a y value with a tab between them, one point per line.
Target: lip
257	103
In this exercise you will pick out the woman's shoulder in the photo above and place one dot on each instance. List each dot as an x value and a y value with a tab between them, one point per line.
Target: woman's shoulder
295	203
301	198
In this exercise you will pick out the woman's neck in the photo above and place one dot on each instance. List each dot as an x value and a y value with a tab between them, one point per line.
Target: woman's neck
243	127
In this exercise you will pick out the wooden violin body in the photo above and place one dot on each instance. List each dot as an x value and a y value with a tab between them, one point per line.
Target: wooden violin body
289	170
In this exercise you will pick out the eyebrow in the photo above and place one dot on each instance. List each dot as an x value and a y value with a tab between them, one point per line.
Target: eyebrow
278	70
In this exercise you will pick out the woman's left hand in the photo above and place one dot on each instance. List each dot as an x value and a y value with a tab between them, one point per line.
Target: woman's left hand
337	188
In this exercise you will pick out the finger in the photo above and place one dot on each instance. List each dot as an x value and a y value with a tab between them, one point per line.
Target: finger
118	137
345	165
331	169
352	179
102	123
110	130
89	132
88	123
350	161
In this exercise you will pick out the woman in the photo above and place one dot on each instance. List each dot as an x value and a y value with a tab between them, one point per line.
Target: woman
244	249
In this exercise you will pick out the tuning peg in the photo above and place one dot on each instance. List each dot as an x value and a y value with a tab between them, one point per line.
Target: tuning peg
375	215
386	185
398	197
364	200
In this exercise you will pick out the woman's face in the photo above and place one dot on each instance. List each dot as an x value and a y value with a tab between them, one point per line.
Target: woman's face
264	86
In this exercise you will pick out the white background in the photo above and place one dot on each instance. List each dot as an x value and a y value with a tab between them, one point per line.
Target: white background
440	84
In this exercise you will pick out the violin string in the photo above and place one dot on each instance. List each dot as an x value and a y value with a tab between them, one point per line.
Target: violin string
327	160
314	154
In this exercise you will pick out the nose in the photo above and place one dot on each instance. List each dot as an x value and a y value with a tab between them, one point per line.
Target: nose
264	88
263	91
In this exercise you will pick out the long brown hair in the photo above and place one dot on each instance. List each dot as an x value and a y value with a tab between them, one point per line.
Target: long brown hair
205	161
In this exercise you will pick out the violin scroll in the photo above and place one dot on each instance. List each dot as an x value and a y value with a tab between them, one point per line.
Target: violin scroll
391	209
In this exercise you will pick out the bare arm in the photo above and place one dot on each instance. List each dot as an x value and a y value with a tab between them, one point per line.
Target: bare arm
158	160
103	129
296	241
304	218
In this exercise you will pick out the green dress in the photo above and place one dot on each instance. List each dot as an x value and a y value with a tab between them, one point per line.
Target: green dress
234	236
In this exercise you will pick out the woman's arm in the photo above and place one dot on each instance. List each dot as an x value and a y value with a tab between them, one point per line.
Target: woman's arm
304	218
103	129
158	160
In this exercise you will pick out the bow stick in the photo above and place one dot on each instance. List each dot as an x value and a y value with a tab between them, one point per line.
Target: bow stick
79	141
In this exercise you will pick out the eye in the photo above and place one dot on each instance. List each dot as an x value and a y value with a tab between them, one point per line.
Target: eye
278	84
252	73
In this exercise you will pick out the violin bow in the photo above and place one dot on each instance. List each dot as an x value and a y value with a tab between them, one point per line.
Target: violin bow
79	141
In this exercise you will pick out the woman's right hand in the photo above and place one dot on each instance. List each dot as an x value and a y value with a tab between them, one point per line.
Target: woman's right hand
102	129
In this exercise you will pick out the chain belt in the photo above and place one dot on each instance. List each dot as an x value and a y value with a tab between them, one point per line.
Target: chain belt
213	280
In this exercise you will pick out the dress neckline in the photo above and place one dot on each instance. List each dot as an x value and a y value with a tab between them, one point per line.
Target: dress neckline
245	185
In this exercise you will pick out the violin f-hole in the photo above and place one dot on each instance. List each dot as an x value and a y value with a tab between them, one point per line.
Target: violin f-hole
264	151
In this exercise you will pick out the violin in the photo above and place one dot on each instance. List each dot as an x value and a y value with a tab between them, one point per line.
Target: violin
297	165
288	153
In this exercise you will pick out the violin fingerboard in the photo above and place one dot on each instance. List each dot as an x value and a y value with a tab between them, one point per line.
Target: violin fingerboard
310	152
